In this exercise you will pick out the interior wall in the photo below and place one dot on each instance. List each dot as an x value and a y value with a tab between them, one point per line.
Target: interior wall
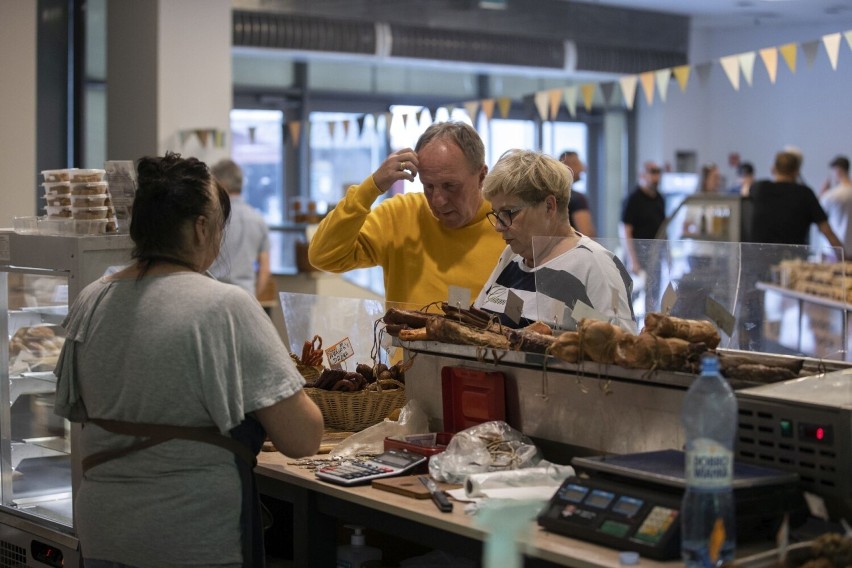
18	110
808	109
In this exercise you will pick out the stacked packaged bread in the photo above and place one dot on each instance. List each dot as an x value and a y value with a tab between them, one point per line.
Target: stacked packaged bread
77	202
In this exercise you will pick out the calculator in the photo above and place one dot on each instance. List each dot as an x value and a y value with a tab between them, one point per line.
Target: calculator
359	471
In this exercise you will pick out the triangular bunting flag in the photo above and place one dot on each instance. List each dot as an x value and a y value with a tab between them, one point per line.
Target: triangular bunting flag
331	126
662	78
848	36
628	89
810	48
488	108
202	136
770	60
295	127
450	110
747	65
681	73
731	65
607	90
360	121
703	71
588	92
388	120
504	104
569	94
346	124
788	52
404	118
472	108
832	47
555	96
542	100
647	80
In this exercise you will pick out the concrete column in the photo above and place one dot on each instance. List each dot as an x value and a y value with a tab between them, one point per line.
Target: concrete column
17	110
168	77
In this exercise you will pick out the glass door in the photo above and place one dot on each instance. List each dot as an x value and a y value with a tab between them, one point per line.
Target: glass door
34	442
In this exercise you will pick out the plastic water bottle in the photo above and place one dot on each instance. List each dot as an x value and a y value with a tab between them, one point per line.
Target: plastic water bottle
708	536
357	554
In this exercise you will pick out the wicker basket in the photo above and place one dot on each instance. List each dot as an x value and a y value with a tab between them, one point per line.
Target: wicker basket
311	374
354	411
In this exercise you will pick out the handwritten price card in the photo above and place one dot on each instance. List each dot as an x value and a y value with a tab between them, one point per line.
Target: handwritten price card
339	352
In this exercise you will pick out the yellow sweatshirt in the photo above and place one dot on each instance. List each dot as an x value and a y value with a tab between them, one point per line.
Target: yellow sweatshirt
420	258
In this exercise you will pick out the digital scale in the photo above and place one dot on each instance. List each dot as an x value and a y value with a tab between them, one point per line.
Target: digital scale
632	502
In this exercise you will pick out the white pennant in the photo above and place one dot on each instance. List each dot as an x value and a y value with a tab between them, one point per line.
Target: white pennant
747	65
628	89
832	46
663	76
731	65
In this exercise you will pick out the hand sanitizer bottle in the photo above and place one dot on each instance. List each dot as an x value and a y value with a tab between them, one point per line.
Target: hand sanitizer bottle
357	554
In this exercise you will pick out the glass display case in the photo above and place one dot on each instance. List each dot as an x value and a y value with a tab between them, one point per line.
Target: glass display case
39	277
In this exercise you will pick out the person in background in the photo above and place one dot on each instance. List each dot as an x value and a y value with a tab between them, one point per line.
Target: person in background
529	194
784	209
837	202
578	208
710	179
424	242
745	177
244	259
178	379
644	212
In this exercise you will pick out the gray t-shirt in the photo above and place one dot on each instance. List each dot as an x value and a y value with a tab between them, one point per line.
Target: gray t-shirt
179	349
246	236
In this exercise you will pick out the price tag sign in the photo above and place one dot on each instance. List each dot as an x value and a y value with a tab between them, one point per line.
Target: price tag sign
514	307
584	311
339	352
669	299
723	318
458	297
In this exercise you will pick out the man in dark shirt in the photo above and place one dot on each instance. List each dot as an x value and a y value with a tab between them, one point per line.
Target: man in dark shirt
578	206
644	212
783	209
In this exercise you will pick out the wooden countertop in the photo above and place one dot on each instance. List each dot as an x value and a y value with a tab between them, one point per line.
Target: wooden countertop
557	549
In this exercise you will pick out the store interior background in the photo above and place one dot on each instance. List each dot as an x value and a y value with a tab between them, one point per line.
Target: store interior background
168	67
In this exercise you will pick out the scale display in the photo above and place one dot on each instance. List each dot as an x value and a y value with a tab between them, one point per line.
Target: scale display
616	515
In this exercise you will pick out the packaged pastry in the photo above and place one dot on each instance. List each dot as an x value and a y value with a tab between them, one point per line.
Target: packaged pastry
89	188
58	212
57	187
57	175
80	176
58	199
89	212
95	200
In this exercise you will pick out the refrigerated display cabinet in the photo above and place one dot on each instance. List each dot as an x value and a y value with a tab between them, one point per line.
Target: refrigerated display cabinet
39	277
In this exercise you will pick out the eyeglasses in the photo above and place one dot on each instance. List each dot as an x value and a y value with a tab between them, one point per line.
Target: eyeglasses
504	216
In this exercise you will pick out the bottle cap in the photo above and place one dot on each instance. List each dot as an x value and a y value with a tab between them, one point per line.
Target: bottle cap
628	558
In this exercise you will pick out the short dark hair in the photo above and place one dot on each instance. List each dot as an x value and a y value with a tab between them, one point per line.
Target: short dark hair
745	169
171	192
841	162
787	163
567	154
465	137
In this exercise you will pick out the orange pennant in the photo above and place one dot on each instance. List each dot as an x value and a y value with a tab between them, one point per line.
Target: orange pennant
488	108
555	101
587	90
472	108
770	60
504	104
647	80
295	128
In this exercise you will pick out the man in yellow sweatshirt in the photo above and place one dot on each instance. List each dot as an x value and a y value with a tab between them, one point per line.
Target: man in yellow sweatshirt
424	242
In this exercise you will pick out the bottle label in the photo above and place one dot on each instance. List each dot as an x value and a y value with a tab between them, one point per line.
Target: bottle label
709	465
